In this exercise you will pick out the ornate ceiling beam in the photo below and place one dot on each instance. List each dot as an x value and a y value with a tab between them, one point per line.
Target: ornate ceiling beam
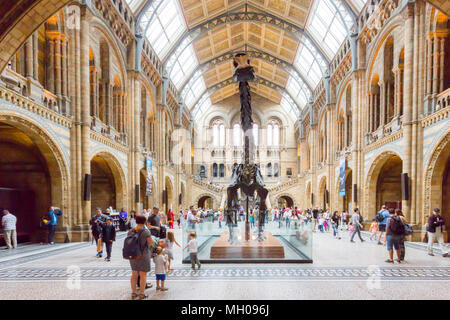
253	53
230	81
236	17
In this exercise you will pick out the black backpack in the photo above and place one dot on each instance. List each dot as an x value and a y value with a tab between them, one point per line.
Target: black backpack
131	247
379	217
397	226
162	232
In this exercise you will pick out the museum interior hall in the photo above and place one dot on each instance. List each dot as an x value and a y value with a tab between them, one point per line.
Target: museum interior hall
272	133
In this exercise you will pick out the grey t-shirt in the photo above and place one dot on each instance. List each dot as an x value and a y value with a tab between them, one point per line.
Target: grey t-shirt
355	220
155	220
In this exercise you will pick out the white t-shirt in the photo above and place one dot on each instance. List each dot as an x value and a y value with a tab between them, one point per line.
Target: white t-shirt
160	264
193	246
9	222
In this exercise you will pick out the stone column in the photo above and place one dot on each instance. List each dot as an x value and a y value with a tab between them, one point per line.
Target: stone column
85	106
408	15
58	66
35	56
29	57
441	64
51	66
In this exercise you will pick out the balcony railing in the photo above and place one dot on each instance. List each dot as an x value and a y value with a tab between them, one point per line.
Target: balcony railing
98	126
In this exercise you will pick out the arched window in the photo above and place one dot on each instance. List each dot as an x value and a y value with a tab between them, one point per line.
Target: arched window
214	173
273	134
237	135
222	170
255	132
216	135
276	135
269	169
222	135
275	170
269	135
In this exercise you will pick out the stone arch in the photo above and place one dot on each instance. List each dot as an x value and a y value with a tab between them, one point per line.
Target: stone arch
290	199
118	174
322	191
54	157
207	195
433	175
170	189
376	50
344	202
21	21
308	192
371	182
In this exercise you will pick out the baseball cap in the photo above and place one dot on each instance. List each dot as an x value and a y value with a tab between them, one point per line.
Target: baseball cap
436	210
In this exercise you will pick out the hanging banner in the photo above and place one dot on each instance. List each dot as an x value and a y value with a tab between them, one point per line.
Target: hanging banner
342	177
148	187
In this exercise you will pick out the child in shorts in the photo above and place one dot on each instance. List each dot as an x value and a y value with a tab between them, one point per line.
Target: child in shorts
160	269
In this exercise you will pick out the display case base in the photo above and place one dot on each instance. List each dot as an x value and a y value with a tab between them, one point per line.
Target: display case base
252	249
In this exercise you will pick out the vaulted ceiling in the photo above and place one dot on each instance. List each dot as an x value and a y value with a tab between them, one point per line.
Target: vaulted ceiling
189	36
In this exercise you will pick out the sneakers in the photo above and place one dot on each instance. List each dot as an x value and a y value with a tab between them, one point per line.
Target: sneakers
107	259
431	254
352	241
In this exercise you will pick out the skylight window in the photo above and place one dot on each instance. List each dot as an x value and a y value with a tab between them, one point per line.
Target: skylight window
326	26
183	67
308	65
166	27
298	90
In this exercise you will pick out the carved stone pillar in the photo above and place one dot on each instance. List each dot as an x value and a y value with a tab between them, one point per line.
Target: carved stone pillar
29	57
408	15
85	106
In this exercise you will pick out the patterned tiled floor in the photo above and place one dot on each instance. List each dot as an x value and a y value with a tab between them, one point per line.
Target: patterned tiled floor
233	273
341	270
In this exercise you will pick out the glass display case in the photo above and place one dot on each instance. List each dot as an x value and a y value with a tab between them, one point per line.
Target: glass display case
283	241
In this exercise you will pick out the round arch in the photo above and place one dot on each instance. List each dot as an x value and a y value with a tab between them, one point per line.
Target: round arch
118	175
285	200
373	197
436	182
204	196
344	202
52	155
323	193
168	187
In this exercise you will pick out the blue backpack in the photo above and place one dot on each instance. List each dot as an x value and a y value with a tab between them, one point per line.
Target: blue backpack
131	247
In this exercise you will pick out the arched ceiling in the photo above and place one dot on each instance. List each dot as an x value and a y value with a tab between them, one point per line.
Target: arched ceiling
187	34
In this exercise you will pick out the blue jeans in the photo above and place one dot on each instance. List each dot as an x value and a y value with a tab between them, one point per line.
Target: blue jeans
335	230
51	233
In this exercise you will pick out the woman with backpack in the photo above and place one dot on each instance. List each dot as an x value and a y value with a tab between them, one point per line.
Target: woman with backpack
140	264
399	213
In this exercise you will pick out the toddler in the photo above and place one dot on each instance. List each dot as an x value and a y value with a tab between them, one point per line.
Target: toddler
160	269
193	247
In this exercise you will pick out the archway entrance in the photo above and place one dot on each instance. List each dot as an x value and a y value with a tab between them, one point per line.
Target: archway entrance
345	202
28	175
169	190
323	196
389	188
205	202
103	188
285	202
437	183
144	201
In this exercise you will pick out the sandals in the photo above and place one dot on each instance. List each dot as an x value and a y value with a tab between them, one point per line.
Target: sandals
163	289
134	296
143	296
389	261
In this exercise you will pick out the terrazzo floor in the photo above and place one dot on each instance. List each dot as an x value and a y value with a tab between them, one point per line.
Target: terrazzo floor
341	270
